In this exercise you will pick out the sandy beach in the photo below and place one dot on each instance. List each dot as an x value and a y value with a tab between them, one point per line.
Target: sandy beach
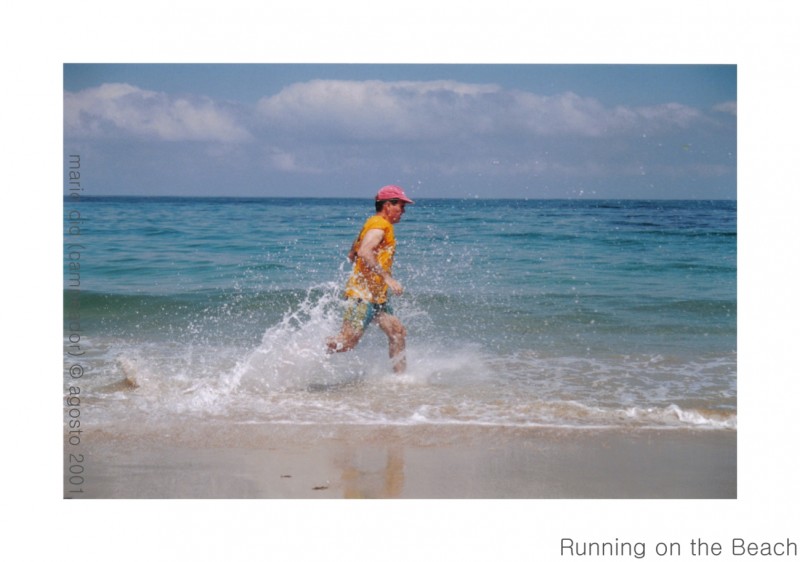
427	462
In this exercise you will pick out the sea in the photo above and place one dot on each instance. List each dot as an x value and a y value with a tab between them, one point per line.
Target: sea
578	314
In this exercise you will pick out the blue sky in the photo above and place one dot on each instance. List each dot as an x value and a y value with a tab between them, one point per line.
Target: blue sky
521	131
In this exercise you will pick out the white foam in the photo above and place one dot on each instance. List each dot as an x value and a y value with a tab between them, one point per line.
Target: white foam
289	378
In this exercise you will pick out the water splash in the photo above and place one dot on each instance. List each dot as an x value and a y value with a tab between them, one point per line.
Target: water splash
292	353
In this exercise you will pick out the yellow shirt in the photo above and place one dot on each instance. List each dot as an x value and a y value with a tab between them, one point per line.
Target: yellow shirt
364	284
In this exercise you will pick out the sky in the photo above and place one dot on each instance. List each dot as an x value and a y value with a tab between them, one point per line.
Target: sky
438	130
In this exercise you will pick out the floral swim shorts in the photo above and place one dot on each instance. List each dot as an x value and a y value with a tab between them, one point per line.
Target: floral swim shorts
359	313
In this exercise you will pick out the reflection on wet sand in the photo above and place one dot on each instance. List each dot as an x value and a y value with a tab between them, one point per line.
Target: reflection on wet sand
367	476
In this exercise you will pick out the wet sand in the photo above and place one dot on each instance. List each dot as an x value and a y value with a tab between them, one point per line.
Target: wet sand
409	462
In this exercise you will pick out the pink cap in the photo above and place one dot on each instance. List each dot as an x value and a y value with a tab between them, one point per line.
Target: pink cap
392	192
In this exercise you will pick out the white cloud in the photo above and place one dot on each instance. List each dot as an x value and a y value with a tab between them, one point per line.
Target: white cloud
322	111
278	159
122	109
376	110
370	109
726	107
669	115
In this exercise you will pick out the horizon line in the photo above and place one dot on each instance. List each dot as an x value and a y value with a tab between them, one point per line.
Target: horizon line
466	198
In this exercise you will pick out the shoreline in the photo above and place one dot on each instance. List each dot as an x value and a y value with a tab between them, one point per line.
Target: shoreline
419	462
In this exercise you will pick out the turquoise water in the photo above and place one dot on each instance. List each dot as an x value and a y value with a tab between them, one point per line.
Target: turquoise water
566	313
